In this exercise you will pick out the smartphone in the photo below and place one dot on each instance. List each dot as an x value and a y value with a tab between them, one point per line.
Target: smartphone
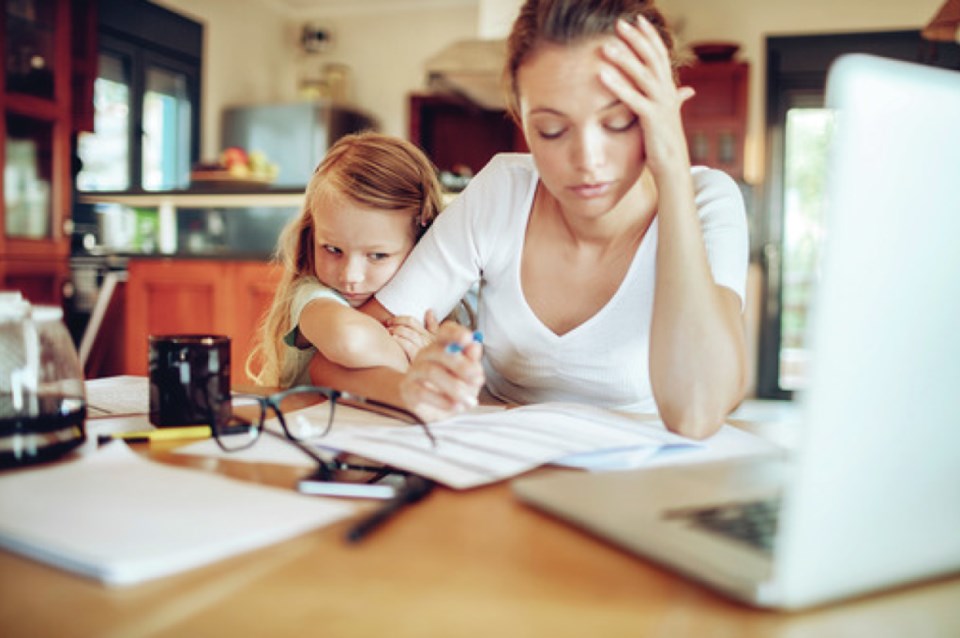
353	483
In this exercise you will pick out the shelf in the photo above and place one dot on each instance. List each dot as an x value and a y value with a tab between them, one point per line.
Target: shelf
167	204
291	199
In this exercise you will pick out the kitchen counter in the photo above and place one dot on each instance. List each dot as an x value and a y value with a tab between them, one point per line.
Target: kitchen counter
173	235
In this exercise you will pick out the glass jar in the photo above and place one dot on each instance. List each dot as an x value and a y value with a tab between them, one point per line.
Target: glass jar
42	398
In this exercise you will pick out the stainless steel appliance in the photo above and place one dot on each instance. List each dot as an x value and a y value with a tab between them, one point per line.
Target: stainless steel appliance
295	136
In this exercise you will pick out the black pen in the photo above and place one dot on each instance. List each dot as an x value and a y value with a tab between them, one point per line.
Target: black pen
415	489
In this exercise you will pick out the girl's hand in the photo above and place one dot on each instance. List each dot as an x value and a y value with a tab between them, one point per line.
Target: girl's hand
411	335
640	75
442	381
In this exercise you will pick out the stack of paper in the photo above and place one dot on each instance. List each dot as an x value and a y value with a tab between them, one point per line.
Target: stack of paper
120	518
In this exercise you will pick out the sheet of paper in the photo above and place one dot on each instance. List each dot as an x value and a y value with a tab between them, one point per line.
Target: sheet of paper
606	460
767	411
266	450
474	450
120	518
729	442
111	396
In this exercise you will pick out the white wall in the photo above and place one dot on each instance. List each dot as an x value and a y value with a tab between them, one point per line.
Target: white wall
246	58
386	53
749	22
252	51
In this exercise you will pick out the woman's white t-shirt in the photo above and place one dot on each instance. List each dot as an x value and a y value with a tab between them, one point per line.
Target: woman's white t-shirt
603	361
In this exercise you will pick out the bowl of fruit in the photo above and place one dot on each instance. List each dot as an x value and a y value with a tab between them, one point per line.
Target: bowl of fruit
235	168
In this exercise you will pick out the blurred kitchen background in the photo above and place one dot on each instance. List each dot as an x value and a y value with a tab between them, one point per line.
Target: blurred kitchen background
127	202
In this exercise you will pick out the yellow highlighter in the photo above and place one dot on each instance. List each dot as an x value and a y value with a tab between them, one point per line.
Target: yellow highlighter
158	435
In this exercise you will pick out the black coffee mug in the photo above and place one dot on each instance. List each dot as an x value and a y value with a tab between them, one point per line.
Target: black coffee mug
189	379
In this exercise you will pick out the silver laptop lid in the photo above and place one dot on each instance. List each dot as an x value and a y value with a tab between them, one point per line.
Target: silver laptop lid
876	498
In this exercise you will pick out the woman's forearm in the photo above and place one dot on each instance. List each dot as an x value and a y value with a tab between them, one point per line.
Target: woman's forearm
697	351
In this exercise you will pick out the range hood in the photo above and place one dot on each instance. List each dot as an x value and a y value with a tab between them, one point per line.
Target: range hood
471	68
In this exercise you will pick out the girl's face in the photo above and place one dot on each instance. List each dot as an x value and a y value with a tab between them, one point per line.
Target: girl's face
357	249
588	146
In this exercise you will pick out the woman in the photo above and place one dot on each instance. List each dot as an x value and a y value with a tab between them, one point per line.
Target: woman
610	271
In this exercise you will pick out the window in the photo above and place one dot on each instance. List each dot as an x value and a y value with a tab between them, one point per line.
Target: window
105	154
806	137
799	131
146	101
166	130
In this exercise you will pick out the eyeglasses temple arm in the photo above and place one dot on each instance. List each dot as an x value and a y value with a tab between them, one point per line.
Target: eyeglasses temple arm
387	409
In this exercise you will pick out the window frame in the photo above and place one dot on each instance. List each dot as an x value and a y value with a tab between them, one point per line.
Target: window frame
796	76
144	35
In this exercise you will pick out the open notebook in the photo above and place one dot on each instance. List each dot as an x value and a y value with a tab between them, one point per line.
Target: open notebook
872	498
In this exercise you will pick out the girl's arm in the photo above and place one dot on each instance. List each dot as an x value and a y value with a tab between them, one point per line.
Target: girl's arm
350	338
697	351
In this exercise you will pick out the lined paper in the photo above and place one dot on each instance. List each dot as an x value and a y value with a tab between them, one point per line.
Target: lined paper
477	449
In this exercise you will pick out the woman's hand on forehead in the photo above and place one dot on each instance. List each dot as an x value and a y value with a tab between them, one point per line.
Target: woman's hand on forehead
640	74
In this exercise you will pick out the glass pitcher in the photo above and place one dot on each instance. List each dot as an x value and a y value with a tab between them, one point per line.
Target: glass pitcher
42	399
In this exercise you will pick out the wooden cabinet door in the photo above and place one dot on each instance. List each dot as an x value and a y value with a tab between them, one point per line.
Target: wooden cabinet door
40	281
35	127
254	285
715	119
175	296
168	296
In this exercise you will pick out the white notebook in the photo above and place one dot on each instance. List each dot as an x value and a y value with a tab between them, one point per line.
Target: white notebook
121	518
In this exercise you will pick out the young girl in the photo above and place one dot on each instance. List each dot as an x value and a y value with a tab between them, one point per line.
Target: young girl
367	204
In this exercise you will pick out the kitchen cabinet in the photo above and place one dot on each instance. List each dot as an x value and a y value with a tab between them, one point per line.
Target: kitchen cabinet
47	57
458	136
715	119
168	295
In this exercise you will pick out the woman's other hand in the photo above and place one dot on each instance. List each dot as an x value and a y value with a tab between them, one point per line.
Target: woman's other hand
446	376
641	76
411	335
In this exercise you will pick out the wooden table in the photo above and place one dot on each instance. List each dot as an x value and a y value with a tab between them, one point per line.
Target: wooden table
474	563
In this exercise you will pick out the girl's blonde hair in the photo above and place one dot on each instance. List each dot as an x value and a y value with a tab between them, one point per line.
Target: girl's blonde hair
373	170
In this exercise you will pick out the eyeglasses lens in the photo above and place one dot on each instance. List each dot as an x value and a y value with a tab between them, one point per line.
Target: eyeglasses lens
313	422
243	427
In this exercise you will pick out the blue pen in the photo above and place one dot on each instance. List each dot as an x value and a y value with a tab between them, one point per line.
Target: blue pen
454	348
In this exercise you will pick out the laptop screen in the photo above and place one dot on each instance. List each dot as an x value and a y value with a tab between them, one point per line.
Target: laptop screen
881	443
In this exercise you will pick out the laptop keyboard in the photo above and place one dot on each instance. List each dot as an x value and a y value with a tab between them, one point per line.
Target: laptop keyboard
753	523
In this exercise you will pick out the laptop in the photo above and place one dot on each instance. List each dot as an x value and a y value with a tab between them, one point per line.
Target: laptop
870	499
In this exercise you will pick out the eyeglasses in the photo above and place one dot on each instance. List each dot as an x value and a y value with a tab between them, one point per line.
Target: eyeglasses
246	421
